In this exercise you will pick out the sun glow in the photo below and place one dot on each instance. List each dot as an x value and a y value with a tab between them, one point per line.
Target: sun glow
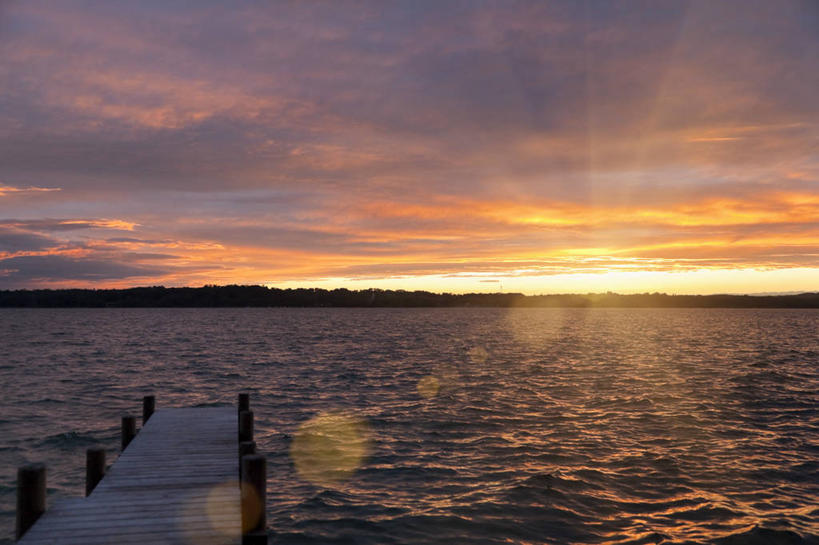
622	165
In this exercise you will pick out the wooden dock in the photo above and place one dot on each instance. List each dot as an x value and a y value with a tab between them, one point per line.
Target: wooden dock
177	482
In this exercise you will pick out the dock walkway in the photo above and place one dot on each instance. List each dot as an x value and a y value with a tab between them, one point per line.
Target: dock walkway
175	483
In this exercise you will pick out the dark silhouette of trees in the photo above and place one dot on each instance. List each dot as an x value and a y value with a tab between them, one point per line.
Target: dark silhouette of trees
261	296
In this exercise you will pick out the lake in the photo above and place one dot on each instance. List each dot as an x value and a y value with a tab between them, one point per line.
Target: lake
467	425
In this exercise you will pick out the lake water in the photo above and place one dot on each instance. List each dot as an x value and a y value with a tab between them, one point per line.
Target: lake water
467	425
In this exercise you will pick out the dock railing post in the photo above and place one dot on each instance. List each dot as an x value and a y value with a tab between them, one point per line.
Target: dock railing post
254	499
128	430
244	402
245	426
94	468
31	497
148	406
245	448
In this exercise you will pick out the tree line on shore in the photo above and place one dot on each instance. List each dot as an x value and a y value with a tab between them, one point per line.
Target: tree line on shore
261	296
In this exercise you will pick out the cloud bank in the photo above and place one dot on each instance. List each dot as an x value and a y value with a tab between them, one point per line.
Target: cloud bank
288	142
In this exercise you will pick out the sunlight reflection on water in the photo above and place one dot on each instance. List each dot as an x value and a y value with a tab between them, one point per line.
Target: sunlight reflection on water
451	425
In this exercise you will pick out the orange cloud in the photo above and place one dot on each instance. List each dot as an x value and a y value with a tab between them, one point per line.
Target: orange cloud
7	189
761	209
120	225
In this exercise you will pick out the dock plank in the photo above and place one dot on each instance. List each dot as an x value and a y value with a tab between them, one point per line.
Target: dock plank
174	484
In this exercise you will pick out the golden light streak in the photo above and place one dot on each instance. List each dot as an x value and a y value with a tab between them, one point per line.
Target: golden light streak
716	139
765	208
7	190
120	225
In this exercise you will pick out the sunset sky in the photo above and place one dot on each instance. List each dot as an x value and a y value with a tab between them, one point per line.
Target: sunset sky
539	147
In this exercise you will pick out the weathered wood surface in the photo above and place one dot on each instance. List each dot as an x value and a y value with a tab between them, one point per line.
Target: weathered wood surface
176	483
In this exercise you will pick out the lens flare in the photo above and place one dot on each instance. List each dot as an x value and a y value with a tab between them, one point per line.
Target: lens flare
330	447
428	387
478	355
251	507
213	518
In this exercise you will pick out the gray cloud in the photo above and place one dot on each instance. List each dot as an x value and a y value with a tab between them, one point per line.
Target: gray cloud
464	76
32	270
14	240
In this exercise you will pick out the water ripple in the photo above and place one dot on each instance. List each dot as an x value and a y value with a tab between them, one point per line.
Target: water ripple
604	426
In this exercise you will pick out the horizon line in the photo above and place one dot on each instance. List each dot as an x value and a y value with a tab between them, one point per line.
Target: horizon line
371	289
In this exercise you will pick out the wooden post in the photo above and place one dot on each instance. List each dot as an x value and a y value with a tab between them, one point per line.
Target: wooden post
245	426
31	496
245	448
94	468
128	430
254	499
148	406
244	402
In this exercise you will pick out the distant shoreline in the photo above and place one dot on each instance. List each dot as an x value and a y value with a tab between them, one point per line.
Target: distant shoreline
261	296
